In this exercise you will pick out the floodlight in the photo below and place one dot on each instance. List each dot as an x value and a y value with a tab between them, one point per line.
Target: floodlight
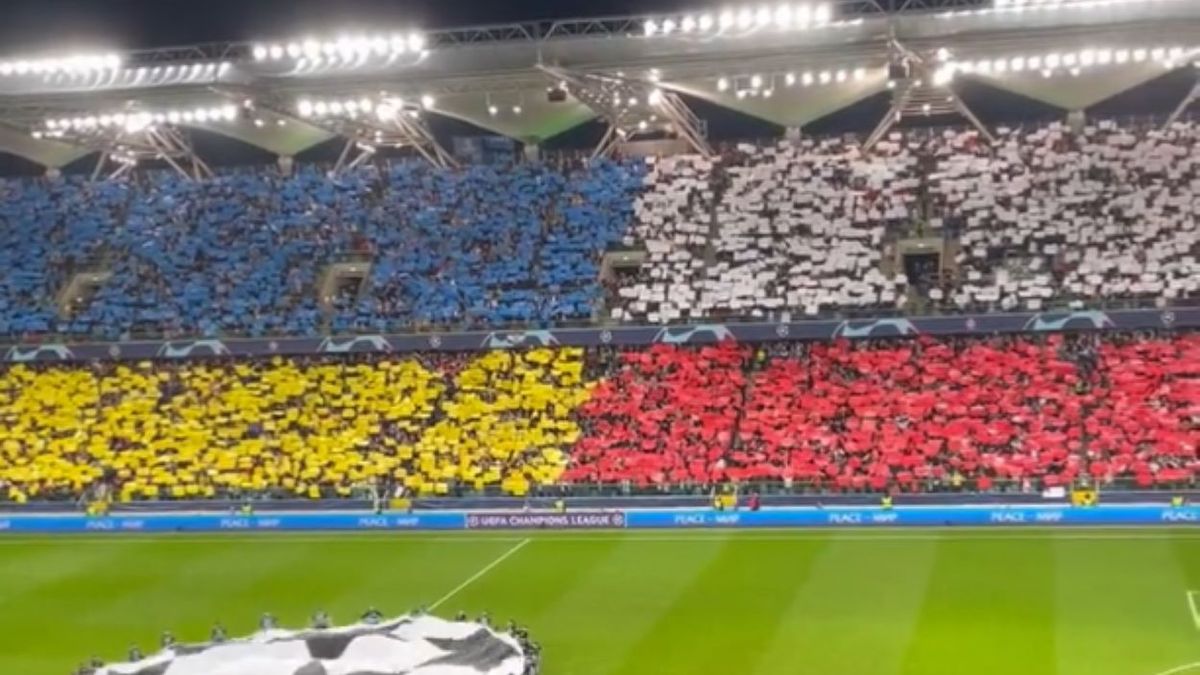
768	93
825	77
706	22
807	79
722	84
803	16
1121	55
745	18
427	101
789	79
311	48
1053	60
762	17
822	14
756	81
860	74
688	24
294	50
656	97
1070	59
668	27
320	109
841	76
727	20
642	125
201	115
1139	55
259	52
305	107
336	108
493	110
783	16
229	112
516	110
416	42
276	52
173	116
258	122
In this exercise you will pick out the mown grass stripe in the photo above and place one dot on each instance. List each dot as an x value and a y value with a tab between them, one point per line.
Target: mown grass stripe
730	609
831	619
989	610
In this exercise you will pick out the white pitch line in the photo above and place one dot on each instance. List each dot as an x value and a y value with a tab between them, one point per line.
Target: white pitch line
475	577
1181	669
1193	598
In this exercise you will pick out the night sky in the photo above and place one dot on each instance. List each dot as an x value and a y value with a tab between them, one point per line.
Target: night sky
35	25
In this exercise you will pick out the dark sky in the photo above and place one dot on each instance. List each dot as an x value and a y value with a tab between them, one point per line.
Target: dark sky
49	25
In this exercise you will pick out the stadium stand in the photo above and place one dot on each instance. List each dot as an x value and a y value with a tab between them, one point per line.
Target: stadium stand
48	229
313	428
915	415
488	246
1052	215
1049	217
1018	413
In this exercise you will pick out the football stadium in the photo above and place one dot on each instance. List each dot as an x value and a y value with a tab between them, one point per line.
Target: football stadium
848	337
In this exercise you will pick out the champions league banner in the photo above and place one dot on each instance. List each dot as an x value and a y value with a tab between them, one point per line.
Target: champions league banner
619	336
522	520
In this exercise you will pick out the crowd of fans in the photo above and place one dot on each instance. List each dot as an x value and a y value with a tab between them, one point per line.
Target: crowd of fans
1054	215
1048	216
915	414
1019	412
242	253
1045	217
307	428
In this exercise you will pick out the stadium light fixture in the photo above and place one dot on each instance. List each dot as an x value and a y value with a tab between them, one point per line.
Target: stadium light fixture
723	84
427	101
517	110
71	64
346	50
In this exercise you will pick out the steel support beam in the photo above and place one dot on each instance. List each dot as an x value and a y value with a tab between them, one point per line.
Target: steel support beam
632	108
1191	98
923	93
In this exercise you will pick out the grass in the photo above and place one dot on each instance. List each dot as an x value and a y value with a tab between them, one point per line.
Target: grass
847	602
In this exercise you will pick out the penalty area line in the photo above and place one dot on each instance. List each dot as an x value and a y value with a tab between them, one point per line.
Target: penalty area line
1193	598
478	575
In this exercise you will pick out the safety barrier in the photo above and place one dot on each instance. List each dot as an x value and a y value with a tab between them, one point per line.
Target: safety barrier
990	515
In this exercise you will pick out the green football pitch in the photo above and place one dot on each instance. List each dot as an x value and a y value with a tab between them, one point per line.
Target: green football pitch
847	602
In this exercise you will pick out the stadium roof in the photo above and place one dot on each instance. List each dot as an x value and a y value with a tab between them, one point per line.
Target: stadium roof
789	64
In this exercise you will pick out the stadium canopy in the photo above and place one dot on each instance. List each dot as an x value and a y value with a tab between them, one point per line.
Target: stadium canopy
789	64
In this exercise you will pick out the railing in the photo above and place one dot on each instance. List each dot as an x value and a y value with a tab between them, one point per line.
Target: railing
1033	488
